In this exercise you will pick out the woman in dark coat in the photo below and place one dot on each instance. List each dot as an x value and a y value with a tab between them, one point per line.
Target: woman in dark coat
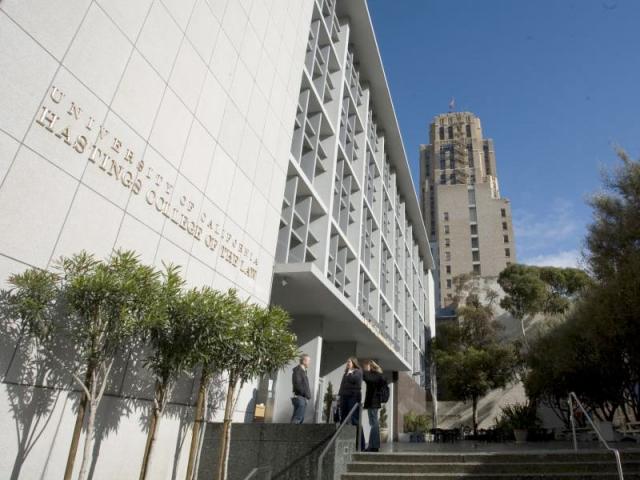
351	393
373	378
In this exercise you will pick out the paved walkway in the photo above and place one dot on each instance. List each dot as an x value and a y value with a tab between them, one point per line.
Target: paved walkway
467	446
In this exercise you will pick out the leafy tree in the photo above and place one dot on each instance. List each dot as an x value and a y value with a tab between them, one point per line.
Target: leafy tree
469	359
170	333
531	290
213	314
593	352
90	309
258	342
27	308
105	302
613	256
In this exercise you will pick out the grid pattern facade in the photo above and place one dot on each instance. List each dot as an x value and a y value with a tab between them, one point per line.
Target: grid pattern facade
343	209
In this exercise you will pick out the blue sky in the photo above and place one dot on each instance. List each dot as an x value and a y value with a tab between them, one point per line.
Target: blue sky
556	84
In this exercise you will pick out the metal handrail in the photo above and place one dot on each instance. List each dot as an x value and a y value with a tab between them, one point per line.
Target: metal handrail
615	451
334	437
253	472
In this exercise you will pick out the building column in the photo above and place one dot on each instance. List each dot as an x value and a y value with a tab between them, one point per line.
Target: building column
310	341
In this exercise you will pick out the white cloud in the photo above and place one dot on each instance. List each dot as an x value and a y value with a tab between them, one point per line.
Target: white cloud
565	258
537	230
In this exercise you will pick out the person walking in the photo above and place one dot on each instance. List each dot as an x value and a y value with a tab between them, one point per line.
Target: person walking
373	400
351	393
301	390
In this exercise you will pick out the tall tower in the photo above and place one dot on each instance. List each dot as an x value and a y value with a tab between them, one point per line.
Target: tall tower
468	222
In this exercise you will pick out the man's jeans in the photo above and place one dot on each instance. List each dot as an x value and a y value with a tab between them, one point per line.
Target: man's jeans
374	434
299	406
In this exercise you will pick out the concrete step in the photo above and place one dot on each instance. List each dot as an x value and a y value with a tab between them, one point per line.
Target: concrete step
486	468
543	465
502	457
492	476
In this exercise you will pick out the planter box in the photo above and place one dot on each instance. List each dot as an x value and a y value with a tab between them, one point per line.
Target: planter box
521	435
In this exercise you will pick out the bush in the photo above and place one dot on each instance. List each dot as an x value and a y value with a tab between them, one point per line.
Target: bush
518	417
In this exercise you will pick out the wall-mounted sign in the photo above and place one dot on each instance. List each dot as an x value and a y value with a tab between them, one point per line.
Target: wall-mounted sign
65	119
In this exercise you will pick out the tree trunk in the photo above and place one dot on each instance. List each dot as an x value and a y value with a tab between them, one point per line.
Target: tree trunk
77	429
88	438
156	414
225	440
474	399
197	424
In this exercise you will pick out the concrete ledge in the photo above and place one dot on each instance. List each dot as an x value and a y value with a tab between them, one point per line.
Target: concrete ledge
291	451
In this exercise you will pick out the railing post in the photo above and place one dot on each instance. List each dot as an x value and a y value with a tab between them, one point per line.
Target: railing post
358	446
573	424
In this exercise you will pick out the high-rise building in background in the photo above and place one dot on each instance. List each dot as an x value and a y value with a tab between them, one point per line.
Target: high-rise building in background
469	224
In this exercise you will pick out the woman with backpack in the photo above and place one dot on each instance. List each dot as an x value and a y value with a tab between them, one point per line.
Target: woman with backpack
377	394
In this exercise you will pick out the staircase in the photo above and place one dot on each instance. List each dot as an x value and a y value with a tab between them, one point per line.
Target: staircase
585	465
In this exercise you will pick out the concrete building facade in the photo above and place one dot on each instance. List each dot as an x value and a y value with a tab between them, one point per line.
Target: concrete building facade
252	142
467	219
353	263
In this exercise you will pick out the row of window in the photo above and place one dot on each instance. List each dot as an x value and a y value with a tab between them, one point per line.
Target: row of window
449	132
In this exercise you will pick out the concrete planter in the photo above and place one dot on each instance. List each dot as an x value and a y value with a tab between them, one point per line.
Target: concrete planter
521	435
384	435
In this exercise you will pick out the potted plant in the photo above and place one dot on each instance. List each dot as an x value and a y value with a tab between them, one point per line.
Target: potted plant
521	418
422	424
384	429
409	426
328	403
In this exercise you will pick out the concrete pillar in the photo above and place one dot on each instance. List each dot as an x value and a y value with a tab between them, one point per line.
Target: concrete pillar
308	330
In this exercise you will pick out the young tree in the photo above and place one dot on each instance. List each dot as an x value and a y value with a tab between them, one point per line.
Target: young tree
213	313
258	342
469	359
28	309
105	303
170	333
79	317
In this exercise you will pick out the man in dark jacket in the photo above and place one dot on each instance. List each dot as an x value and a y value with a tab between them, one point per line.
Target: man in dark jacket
301	390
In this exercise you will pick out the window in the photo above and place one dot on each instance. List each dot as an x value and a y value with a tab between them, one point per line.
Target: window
441	133
474	229
473	179
473	214
447	256
448	283
474	242
442	159
450	132
487	165
472	196
443	178
507	252
470	156
503	212
447	242
506	238
468	130
446	216
446	229
475	256
452	179
476	269
504	226
448	269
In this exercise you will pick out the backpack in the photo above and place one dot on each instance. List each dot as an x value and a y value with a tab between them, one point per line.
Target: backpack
384	392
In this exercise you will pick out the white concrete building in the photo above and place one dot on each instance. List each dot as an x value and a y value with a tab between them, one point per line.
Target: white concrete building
176	128
353	260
